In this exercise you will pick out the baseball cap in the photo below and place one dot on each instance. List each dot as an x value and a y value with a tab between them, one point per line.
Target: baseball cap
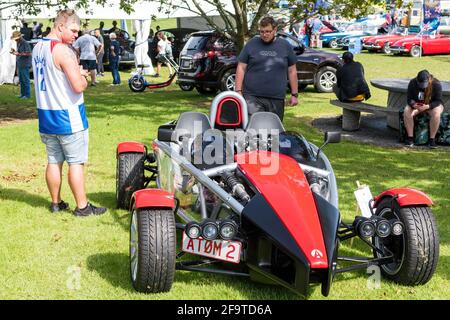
422	79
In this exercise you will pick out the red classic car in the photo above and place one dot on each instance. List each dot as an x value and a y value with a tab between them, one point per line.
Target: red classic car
438	44
382	42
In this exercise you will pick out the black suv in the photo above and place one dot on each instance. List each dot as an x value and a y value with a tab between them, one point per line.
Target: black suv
208	61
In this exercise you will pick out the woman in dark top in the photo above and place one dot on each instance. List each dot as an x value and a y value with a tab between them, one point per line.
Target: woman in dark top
424	95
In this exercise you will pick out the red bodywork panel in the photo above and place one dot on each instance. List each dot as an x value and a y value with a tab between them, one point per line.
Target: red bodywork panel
288	193
153	198
130	146
406	197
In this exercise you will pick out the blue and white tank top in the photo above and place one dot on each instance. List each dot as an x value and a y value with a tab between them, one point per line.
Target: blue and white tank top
60	109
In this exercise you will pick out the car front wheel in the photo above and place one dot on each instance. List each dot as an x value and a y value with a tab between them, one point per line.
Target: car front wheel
386	48
228	80
333	44
152	249
416	251
415	51
325	79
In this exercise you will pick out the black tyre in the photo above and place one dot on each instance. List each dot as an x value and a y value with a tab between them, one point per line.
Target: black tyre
415	51
206	90
416	251
152	250
186	86
333	44
129	177
325	79
386	49
228	80
137	84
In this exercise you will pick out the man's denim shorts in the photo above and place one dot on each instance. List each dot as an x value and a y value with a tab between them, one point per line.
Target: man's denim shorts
72	148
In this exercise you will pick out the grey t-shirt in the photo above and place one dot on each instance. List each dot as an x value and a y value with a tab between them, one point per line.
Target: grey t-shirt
87	45
267	65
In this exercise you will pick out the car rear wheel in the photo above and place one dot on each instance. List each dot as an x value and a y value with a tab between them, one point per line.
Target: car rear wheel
333	44
137	83
152	249
416	251
386	49
325	79
415	51
206	90
129	177
228	80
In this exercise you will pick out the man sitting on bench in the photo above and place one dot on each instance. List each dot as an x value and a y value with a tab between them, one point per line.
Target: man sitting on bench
424	95
351	85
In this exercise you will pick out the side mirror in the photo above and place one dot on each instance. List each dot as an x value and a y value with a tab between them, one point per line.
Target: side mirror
332	137
329	137
165	132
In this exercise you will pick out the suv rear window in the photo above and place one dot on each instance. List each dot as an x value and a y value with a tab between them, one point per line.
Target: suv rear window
196	42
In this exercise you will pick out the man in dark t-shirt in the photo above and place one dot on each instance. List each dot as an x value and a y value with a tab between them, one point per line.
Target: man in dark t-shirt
264	65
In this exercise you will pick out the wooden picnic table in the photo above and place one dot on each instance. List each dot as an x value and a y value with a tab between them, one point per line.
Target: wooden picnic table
397	89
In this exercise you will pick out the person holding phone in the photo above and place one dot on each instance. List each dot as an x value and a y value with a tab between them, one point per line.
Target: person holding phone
424	95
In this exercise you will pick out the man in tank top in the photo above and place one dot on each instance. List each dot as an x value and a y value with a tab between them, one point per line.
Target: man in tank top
59	84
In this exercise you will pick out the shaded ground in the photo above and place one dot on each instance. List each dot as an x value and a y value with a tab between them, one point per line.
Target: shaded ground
373	130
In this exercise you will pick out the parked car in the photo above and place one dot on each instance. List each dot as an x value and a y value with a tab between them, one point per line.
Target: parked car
382	42
209	61
356	29
427	44
180	37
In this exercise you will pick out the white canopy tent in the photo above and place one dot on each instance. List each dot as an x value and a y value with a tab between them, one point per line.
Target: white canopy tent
142	14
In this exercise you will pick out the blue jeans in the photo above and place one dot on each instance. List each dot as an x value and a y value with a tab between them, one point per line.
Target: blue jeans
114	64
24	78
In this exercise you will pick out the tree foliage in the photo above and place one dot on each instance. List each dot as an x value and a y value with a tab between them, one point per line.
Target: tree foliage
240	19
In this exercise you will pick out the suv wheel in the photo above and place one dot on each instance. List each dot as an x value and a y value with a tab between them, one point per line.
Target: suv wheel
206	90
325	79
228	80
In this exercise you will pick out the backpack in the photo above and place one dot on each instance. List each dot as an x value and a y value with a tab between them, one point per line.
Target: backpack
443	135
421	128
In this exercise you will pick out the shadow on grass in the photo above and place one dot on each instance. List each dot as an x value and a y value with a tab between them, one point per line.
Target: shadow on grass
114	268
24	196
108	200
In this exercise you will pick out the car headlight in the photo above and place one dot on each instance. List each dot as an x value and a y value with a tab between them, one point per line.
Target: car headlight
193	230
383	228
228	229
210	230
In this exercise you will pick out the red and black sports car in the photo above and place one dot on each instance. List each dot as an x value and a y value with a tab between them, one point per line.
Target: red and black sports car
425	45
244	197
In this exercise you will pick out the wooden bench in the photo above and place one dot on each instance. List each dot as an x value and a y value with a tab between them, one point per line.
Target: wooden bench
351	112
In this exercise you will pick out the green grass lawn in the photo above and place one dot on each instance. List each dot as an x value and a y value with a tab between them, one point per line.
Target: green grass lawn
39	251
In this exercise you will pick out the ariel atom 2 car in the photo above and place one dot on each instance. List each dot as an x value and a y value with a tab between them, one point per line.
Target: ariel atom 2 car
230	195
